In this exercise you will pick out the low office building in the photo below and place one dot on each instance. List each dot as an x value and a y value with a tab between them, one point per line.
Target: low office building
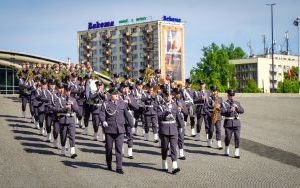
260	69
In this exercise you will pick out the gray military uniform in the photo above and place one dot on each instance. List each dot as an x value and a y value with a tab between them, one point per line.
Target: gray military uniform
116	115
232	123
170	119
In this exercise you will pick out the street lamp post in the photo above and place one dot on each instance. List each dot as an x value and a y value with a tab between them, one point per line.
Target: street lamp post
297	24
272	33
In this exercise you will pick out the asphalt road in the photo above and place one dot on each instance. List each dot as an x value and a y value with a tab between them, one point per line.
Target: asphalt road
270	154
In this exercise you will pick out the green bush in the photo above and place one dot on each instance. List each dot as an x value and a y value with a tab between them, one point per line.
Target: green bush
251	87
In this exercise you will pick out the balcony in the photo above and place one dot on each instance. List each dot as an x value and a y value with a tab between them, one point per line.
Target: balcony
275	77
275	69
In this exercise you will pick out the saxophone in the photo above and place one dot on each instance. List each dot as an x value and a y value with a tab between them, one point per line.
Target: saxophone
216	110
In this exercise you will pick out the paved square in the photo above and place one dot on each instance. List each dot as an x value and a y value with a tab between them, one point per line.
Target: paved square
270	154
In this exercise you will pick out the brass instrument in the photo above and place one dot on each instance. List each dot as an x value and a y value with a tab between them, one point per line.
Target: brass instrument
216	110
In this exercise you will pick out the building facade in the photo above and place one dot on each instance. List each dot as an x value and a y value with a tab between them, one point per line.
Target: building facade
260	69
134	44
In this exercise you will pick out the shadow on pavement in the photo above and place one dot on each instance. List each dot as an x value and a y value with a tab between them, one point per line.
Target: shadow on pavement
96	151
16	121
271	152
9	116
141	165
142	144
28	139
89	144
36	145
39	151
202	152
80	137
14	99
19	126
24	132
76	164
147	152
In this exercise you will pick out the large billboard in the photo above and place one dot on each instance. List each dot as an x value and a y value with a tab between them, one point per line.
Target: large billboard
173	49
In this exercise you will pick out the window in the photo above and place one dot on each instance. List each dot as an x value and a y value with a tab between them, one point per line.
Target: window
100	51
114	58
142	64
95	52
113	32
142	38
122	48
134	56
113	41
94	35
154	27
134	47
122	56
134	39
94	43
133	30
122	31
114	49
142	55
121	66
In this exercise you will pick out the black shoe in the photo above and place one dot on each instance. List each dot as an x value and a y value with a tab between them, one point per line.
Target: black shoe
74	156
226	155
120	171
182	158
109	168
237	157
220	148
130	157
156	141
175	170
164	170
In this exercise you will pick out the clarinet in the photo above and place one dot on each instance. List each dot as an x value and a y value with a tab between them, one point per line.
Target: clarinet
235	114
68	102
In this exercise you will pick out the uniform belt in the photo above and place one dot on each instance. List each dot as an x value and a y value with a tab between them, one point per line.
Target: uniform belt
97	104
231	118
188	101
168	122
199	104
148	106
66	114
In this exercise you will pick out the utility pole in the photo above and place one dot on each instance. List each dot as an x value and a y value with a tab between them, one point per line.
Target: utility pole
272	33
297	24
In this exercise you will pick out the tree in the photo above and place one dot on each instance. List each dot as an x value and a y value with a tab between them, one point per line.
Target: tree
215	68
290	83
251	87
288	86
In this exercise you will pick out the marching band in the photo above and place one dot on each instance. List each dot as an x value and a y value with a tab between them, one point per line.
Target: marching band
62	98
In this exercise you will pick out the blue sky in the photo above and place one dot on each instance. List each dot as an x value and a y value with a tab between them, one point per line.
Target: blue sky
49	28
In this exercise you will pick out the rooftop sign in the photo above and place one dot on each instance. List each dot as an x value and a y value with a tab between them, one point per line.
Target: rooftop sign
170	19
98	25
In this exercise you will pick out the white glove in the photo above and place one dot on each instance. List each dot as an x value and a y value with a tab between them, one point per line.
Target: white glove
170	116
104	124
181	130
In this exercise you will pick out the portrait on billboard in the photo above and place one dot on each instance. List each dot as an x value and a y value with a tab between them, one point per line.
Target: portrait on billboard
173	53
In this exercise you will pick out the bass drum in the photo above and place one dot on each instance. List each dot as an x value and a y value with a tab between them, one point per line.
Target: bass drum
90	87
